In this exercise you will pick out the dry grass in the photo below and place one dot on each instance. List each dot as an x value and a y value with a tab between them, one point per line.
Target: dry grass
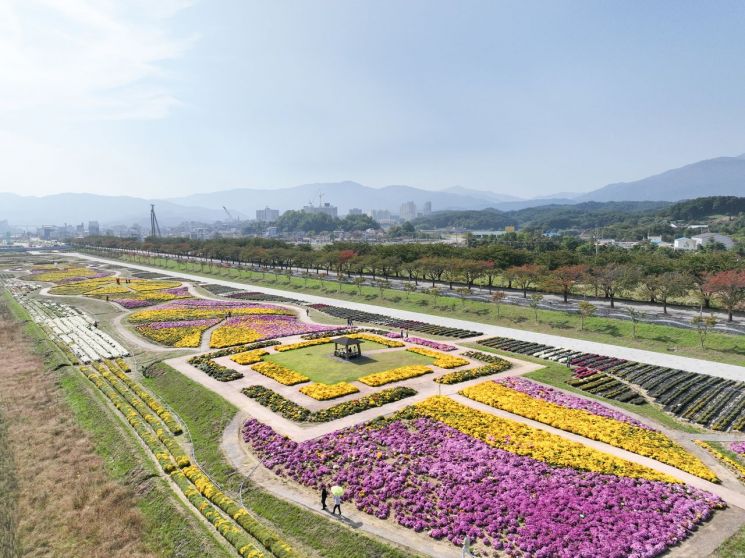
55	496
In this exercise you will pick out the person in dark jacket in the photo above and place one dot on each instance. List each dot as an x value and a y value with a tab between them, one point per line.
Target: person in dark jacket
324	495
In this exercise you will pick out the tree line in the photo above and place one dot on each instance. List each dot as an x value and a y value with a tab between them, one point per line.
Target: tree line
649	274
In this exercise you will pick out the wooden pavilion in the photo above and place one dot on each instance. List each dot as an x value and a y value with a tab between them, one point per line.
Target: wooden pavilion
346	347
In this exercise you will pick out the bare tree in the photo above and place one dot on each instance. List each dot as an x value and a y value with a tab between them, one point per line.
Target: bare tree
498	298
535	300
586	310
703	324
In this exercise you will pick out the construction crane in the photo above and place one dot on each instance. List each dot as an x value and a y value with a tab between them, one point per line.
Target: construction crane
154	226
230	217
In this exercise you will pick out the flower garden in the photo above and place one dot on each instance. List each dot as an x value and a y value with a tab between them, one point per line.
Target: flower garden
439	474
549	406
439	467
717	403
181	323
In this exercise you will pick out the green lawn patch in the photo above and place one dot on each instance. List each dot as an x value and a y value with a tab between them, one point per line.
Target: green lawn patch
320	365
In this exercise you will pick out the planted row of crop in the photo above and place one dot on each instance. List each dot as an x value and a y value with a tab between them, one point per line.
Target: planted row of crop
708	400
166	449
388	321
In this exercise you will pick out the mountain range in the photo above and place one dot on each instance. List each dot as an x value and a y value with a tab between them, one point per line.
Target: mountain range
711	177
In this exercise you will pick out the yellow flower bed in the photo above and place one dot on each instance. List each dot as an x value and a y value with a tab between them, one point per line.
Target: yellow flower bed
322	392
648	443
55	275
175	314
185	337
227	336
441	359
282	374
376	339
249	357
302	344
150	285
395	375
82	287
730	463
521	439
108	290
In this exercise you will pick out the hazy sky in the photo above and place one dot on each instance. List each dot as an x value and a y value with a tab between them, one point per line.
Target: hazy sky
167	97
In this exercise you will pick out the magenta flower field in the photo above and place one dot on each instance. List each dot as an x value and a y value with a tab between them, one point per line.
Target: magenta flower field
434	479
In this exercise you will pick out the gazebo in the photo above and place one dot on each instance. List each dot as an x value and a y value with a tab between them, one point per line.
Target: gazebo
346	347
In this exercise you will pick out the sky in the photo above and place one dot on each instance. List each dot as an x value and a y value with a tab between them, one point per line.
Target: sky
528	98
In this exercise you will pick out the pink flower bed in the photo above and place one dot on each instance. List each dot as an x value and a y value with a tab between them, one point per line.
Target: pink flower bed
738	447
566	400
423	342
432	479
133	302
204	323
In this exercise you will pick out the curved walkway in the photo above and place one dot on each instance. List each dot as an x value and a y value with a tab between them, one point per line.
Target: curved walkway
728	371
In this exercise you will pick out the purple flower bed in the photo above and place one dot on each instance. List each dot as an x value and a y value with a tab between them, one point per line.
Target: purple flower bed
202	303
133	302
423	342
566	400
434	479
82	278
738	447
177	291
431	344
205	323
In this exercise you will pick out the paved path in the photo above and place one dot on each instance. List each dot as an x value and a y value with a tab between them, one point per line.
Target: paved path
728	371
231	391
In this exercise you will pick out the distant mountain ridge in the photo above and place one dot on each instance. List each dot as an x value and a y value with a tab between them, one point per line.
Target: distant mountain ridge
720	176
73	209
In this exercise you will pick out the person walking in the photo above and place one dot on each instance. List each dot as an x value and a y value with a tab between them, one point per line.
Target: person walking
337	504
324	495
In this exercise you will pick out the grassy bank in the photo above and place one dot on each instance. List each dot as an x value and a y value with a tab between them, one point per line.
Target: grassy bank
206	415
166	527
719	347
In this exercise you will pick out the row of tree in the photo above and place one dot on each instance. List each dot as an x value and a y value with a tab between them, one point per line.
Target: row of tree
652	275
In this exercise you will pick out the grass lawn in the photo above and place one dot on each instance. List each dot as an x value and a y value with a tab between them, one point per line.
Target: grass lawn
206	414
320	365
557	375
719	347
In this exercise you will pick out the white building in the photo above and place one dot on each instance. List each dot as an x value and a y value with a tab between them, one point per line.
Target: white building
267	215
684	243
427	209
407	211
325	209
355	211
705	239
